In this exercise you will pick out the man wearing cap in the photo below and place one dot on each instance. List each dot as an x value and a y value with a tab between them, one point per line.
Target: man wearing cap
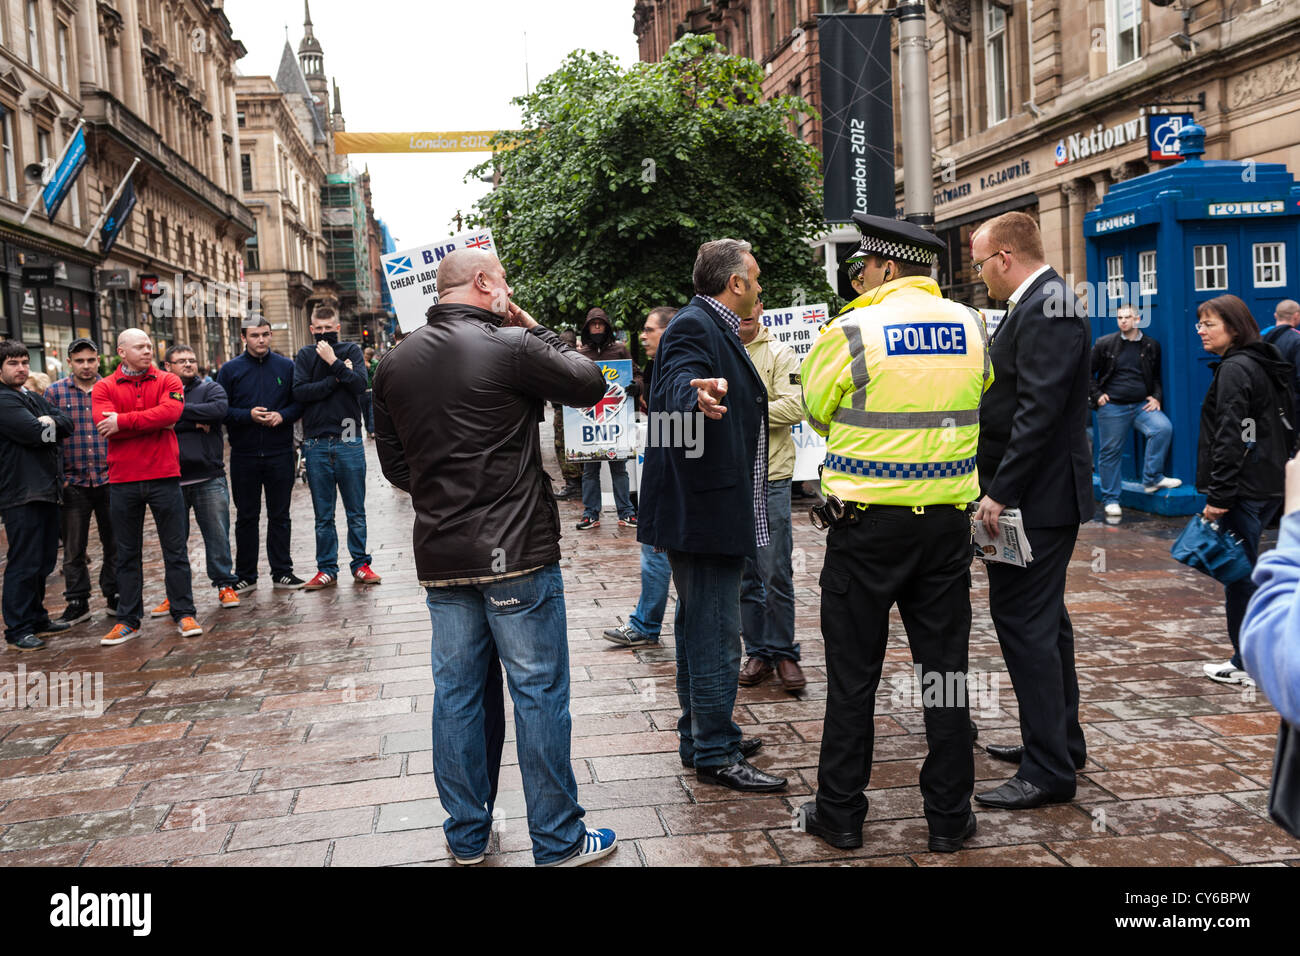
85	490
896	386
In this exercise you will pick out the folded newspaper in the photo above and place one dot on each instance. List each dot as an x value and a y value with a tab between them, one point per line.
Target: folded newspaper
1011	546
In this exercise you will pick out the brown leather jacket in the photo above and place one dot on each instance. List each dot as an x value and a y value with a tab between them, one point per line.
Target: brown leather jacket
457	404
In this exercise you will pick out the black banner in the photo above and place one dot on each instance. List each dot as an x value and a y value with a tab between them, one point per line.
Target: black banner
857	115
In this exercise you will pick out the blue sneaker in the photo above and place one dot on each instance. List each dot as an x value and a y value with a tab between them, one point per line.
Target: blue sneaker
595	844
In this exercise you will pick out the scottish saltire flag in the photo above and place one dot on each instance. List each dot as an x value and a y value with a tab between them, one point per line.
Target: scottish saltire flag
74	158
117	218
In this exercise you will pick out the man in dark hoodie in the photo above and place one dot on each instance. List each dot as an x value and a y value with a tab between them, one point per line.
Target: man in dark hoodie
600	345
203	471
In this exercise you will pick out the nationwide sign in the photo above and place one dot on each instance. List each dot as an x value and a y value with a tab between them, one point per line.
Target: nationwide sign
412	275
1162	140
1101	139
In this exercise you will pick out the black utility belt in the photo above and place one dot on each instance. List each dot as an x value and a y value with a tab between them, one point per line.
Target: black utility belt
835	513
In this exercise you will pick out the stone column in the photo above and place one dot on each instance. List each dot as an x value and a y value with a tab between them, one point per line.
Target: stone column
87	44
1078	262
1054	224
132	63
215	127
232	127
1101	182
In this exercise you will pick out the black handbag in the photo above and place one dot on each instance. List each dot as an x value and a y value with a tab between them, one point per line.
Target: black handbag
1284	793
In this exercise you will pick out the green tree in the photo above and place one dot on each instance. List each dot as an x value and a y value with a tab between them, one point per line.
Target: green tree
619	175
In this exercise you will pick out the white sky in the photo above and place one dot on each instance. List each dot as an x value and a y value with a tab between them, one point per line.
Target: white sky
430	65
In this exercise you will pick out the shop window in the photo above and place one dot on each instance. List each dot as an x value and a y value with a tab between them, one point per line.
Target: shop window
1115	277
995	62
1210	267
1270	264
1123	31
1147	272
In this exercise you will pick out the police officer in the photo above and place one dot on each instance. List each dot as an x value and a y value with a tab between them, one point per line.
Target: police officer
895	385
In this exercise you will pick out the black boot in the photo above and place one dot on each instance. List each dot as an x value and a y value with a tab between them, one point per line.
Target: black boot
572	489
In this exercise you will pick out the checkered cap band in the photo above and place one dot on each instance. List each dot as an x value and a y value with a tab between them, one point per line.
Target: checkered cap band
875	245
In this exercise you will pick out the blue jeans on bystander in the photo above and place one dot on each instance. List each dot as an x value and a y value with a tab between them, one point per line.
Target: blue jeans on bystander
333	463
524	618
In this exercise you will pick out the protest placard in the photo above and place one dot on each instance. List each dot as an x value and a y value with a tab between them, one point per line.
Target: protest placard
412	274
607	430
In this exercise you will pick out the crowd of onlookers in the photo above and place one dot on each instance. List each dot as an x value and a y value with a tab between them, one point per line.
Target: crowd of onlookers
114	438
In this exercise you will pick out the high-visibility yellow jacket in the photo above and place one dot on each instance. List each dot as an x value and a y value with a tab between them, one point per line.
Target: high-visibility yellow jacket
896	388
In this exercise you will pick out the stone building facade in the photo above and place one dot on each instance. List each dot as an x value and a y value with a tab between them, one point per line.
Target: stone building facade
1040	105
153	80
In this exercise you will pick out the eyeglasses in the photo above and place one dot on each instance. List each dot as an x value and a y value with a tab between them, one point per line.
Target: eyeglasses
1206	326
979	266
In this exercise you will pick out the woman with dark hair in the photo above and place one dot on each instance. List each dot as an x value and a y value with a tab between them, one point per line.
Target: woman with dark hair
1245	440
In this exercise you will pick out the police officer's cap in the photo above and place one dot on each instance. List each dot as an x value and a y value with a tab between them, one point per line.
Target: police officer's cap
896	239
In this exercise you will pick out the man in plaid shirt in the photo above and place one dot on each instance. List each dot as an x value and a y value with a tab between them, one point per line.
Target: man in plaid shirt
85	476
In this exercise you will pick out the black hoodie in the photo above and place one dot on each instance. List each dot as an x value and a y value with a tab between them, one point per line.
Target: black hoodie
1247	422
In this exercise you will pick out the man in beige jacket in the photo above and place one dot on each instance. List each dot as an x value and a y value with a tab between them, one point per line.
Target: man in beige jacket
767	589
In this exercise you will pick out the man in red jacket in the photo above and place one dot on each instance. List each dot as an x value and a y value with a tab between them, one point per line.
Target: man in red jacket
135	409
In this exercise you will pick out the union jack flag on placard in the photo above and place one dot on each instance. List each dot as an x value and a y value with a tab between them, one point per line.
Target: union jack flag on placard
479	242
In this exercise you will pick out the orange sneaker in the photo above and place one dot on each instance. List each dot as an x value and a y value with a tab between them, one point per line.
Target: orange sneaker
120	634
228	597
189	627
364	575
162	610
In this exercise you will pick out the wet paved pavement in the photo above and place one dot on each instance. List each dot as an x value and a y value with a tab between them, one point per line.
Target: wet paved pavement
296	729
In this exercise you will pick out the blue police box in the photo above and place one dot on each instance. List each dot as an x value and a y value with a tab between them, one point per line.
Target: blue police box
1169	240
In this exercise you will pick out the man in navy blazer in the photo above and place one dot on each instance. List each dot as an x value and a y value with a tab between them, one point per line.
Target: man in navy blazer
1033	455
704	502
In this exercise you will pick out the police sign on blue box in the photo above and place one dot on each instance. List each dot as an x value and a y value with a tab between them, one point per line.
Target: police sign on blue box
607	430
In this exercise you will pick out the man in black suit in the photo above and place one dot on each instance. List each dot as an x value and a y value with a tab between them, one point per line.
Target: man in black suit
704	501
1033	455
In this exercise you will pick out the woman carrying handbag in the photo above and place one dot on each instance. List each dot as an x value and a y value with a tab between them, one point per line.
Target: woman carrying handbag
1246	437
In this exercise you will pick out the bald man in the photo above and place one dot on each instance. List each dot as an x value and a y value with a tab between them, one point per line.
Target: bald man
1286	339
135	409
456	412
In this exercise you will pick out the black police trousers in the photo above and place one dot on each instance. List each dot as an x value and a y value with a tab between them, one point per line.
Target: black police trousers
921	562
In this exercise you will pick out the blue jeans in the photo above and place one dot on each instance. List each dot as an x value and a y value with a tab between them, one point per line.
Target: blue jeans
334	463
211	503
1115	422
591	489
648	618
524	618
1246	519
32	531
708	655
767	588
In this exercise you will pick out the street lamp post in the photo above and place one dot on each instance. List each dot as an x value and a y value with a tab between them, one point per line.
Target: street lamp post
914	84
